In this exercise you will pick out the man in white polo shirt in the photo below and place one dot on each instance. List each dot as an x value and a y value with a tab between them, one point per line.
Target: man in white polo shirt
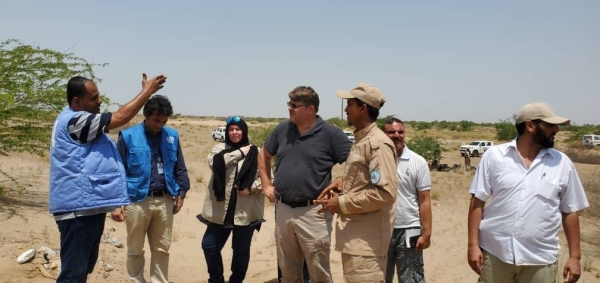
531	188
412	227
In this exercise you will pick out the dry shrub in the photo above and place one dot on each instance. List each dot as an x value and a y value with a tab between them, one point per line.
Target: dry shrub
587	263
591	185
582	155
435	194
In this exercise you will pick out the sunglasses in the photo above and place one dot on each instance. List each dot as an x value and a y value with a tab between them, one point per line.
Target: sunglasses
234	119
294	105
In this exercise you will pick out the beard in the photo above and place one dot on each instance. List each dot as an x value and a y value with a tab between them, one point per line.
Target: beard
541	139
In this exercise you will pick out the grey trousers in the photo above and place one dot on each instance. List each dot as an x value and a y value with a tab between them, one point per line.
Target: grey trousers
407	262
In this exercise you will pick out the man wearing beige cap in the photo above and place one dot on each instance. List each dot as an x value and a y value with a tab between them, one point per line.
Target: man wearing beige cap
532	188
364	198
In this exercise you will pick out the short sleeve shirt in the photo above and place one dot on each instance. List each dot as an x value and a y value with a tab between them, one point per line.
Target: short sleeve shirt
523	217
304	162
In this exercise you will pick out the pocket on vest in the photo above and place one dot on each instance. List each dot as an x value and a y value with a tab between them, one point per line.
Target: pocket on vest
172	152
135	160
106	187
132	186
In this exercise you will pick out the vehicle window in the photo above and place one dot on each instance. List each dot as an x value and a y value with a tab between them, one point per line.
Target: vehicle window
474	143
597	138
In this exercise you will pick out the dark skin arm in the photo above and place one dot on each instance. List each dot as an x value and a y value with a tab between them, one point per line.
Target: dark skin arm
474	254
329	197
425	211
264	171
131	108
572	269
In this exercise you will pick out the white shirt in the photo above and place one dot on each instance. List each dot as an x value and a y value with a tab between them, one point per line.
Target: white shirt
521	222
414	177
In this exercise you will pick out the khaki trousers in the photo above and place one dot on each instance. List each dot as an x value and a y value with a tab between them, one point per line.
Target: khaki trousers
496	271
363	269
303	233
152	216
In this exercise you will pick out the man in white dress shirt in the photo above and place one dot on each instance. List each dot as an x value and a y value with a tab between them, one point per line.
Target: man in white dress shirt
531	188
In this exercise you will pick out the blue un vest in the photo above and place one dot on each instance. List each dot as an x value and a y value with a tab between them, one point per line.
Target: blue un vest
139	161
84	176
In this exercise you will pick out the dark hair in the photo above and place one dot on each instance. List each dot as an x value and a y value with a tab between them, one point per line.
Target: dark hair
390	120
305	94
76	87
521	127
158	103
372	111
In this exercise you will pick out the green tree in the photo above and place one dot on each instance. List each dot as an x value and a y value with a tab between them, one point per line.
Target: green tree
32	92
505	129
465	125
427	146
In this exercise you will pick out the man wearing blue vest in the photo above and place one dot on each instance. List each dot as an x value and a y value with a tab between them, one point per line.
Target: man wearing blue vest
157	181
87	177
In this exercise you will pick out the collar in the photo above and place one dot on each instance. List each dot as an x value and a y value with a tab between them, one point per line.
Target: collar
512	145
358	135
405	153
317	127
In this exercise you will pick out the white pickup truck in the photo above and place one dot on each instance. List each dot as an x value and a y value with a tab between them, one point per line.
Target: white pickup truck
218	134
475	148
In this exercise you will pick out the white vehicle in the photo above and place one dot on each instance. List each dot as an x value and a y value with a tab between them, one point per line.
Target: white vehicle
590	141
475	148
218	134
350	135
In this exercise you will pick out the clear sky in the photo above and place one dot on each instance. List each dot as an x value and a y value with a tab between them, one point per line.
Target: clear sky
433	60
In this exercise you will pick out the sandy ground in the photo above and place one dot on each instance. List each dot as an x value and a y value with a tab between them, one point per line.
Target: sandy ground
25	223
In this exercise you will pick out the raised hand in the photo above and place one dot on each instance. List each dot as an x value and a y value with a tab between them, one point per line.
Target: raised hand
154	84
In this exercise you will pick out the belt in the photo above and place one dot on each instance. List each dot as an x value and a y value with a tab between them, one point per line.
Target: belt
157	194
294	204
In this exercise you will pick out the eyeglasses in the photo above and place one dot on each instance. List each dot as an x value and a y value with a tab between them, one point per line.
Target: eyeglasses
294	105
234	119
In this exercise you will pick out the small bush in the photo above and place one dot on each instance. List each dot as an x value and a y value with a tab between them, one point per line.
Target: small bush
505	129
259	134
435	194
587	263
428	147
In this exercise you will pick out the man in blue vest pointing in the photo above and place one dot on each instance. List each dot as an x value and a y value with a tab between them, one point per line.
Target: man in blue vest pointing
87	177
157	181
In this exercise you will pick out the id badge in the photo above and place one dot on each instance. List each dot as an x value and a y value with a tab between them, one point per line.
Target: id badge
159	166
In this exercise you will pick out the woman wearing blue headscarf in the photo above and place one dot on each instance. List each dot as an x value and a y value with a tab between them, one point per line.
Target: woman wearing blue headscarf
234	202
